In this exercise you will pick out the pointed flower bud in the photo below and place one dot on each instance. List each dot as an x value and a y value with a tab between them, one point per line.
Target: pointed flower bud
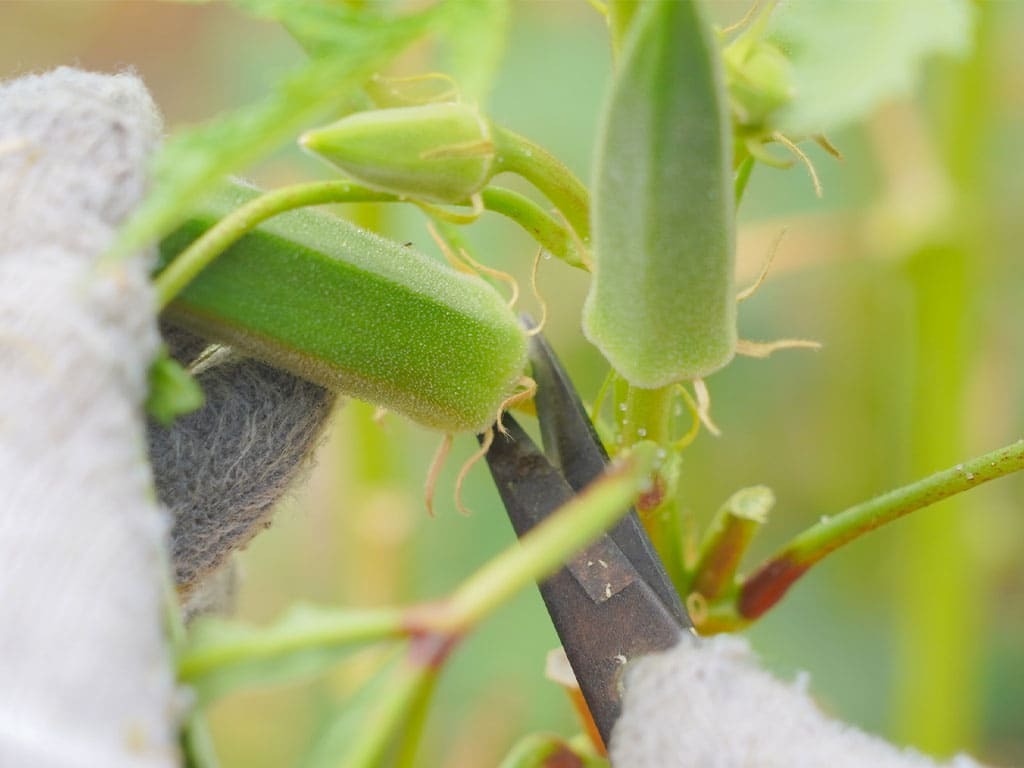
442	153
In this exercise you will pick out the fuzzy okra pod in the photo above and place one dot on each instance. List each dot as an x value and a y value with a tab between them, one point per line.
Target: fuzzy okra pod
341	307
662	305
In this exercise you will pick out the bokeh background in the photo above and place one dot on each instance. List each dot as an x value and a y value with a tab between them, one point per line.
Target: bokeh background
908	271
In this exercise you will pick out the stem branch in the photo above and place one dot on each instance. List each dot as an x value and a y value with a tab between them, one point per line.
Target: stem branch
772	580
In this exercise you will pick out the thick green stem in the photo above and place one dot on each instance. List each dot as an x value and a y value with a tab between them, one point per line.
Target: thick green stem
517	154
772	580
647	414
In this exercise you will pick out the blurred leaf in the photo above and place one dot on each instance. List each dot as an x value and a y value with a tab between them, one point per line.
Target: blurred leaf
172	391
221	656
322	27
195	160
849	57
475	35
369	725
541	750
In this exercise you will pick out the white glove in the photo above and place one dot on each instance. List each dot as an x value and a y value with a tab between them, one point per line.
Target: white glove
85	672
706	704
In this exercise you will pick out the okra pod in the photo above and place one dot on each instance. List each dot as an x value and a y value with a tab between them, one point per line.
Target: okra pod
339	306
661	305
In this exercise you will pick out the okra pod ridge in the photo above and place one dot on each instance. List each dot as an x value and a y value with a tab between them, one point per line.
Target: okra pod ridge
364	316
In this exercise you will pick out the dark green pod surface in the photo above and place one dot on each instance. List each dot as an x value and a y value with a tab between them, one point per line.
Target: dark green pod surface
662	304
337	305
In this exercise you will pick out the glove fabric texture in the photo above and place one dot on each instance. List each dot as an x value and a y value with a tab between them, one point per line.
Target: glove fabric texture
85	670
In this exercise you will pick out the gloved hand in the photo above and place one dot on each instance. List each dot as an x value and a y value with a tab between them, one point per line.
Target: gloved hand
707	703
84	660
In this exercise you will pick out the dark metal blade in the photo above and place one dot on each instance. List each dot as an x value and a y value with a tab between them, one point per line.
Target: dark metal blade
572	444
602	608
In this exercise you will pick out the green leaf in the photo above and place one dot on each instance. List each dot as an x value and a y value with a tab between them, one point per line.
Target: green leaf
172	391
221	656
322	27
847	58
541	750
475	34
371	724
195	160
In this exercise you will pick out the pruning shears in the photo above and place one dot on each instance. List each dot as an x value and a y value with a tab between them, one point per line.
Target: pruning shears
613	601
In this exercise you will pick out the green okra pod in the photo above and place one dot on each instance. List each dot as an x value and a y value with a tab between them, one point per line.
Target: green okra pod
662	304
339	306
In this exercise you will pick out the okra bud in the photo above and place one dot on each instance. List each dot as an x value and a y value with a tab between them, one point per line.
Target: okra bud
662	305
341	307
443	153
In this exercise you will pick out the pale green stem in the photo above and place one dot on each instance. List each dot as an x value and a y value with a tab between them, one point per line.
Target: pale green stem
544	548
550	175
350	628
379	731
727	539
549	233
232	227
647	414
771	581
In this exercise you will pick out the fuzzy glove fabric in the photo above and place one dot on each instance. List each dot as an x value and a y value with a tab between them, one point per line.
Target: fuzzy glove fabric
222	469
85	671
707	704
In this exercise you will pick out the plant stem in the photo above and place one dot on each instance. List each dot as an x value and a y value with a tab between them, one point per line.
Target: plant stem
772	580
555	238
232	227
647	414
347	628
517	154
542	550
551	234
410	683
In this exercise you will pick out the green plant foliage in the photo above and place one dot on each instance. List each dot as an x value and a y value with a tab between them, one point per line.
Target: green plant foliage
172	392
662	302
222	656
847	58
356	313
474	32
195	161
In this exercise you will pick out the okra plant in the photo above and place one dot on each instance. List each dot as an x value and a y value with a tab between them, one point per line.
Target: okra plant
692	109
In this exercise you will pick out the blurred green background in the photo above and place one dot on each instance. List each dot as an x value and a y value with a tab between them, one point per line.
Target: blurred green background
908	271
